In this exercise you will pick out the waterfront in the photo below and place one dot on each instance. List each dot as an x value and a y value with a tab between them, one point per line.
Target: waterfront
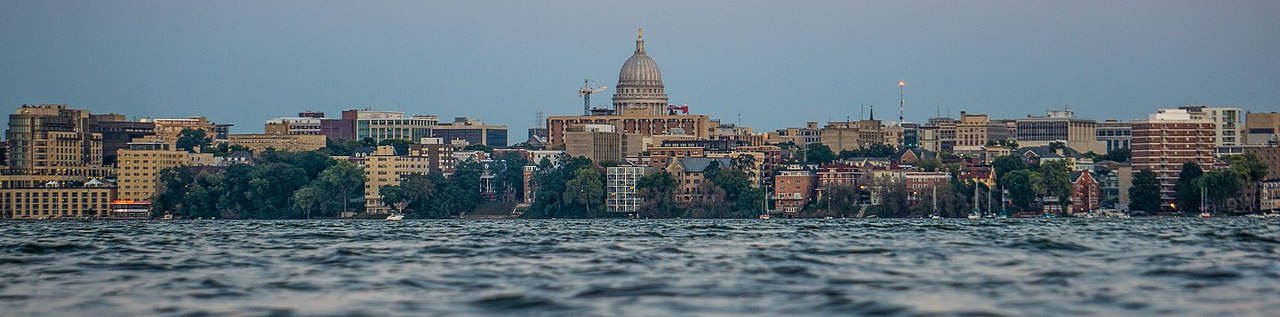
1010	267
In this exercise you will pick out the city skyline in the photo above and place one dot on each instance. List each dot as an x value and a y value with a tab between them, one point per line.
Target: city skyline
179	59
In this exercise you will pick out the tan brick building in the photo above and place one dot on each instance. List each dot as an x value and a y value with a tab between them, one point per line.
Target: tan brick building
280	142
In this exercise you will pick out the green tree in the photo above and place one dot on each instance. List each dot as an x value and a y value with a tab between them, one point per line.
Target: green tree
930	165
509	175
478	147
391	195
1118	155
1021	187
551	177
1144	195
1219	186
1186	192
818	153
1005	164
401	145
308	200
1055	180
343	180
190	139
657	192
843	200
744	201
586	189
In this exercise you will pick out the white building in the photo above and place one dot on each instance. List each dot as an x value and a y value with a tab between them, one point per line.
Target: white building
620	187
1229	122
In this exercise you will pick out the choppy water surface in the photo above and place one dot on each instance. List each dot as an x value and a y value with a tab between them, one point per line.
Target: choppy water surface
613	267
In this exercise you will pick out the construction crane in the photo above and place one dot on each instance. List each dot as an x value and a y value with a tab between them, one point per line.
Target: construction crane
585	92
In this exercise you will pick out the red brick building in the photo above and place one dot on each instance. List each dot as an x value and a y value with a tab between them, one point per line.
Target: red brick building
1086	192
794	189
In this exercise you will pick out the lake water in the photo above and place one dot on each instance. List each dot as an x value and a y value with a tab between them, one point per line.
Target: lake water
1166	266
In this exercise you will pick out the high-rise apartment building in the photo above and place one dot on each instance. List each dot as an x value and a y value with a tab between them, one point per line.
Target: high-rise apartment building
620	186
1166	140
53	140
384	168
141	163
1228	123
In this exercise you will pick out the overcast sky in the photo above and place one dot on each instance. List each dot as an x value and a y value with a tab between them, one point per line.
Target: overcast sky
769	64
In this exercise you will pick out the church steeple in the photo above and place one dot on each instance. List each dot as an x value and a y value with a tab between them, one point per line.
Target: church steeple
640	41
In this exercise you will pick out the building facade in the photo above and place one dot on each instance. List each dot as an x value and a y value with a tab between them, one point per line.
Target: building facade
90	200
141	164
601	143
279	142
1262	128
974	130
117	132
53	140
1059	126
169	130
620	187
1114	135
473	131
1228	123
793	190
385	125
1166	140
851	135
1086	193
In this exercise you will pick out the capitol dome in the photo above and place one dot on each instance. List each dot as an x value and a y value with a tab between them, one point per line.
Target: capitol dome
640	89
640	69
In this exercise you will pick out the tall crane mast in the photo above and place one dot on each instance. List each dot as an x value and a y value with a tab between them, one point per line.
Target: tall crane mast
585	92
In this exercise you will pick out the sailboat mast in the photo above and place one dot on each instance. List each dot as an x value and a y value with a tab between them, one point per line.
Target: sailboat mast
935	199
976	210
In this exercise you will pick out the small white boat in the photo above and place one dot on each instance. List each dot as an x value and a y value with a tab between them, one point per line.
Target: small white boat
764	216
974	216
395	217
1205	215
935	217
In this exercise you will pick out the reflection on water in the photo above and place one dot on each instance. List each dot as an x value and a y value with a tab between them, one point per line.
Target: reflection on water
660	267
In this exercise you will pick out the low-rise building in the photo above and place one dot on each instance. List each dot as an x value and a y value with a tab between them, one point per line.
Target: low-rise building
471	130
974	130
59	200
794	188
689	172
1114	135
279	142
601	143
1086	193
